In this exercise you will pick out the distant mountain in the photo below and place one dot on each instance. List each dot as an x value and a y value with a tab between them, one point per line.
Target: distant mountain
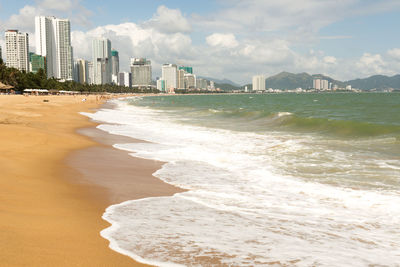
223	81
227	86
290	81
376	82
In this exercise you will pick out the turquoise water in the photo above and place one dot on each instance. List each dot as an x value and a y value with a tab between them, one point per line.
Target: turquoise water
352	115
285	179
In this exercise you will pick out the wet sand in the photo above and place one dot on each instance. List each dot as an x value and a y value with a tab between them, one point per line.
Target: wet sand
55	183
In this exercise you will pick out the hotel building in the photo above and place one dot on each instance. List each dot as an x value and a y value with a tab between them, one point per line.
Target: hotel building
101	52
170	76
53	41
259	83
141	72
17	50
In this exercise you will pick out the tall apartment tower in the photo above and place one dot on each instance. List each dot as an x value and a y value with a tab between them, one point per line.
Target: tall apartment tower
90	72
181	79
114	62
81	71
141	72
101	52
17	50
259	83
170	76
53	41
190	81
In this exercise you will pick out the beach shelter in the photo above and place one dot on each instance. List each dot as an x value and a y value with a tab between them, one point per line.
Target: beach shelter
5	88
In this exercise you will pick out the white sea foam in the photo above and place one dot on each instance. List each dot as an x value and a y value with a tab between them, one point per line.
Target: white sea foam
251	200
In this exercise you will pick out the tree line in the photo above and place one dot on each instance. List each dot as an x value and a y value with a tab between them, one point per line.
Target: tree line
21	80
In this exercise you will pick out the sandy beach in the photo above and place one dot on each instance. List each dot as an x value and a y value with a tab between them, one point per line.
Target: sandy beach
55	183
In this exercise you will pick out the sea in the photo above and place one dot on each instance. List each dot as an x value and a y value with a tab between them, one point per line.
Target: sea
272	179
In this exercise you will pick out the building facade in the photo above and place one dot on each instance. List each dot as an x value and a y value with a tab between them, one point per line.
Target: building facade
114	66
53	41
125	79
36	62
170	76
81	71
190	81
101	54
186	69
114	62
201	84
90	73
259	83
181	79
161	85
17	50
141	72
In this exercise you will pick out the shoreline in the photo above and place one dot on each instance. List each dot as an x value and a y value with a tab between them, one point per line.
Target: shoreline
48	214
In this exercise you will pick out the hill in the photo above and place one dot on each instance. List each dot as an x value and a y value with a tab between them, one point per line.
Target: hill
290	81
379	82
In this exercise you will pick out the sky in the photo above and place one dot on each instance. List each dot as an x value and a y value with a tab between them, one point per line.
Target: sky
232	39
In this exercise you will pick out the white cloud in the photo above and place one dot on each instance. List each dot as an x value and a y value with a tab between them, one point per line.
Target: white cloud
133	40
168	21
24	20
394	53
371	64
330	60
222	40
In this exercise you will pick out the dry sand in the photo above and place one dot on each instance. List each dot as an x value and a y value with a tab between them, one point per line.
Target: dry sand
55	184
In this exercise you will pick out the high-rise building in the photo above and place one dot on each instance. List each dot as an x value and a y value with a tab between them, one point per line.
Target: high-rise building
90	73
141	72
320	84
17	50
181	79
161	85
114	62
259	83
53	41
190	81
170	76
101	52
201	84
125	79
186	69
81	71
36	62
212	85
114	66
325	84
317	84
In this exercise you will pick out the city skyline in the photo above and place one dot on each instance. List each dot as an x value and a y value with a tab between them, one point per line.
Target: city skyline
234	40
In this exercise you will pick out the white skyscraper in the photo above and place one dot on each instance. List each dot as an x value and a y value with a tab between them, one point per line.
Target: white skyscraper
90	73
125	79
101	52
170	76
17	50
53	41
259	83
141	72
181	79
